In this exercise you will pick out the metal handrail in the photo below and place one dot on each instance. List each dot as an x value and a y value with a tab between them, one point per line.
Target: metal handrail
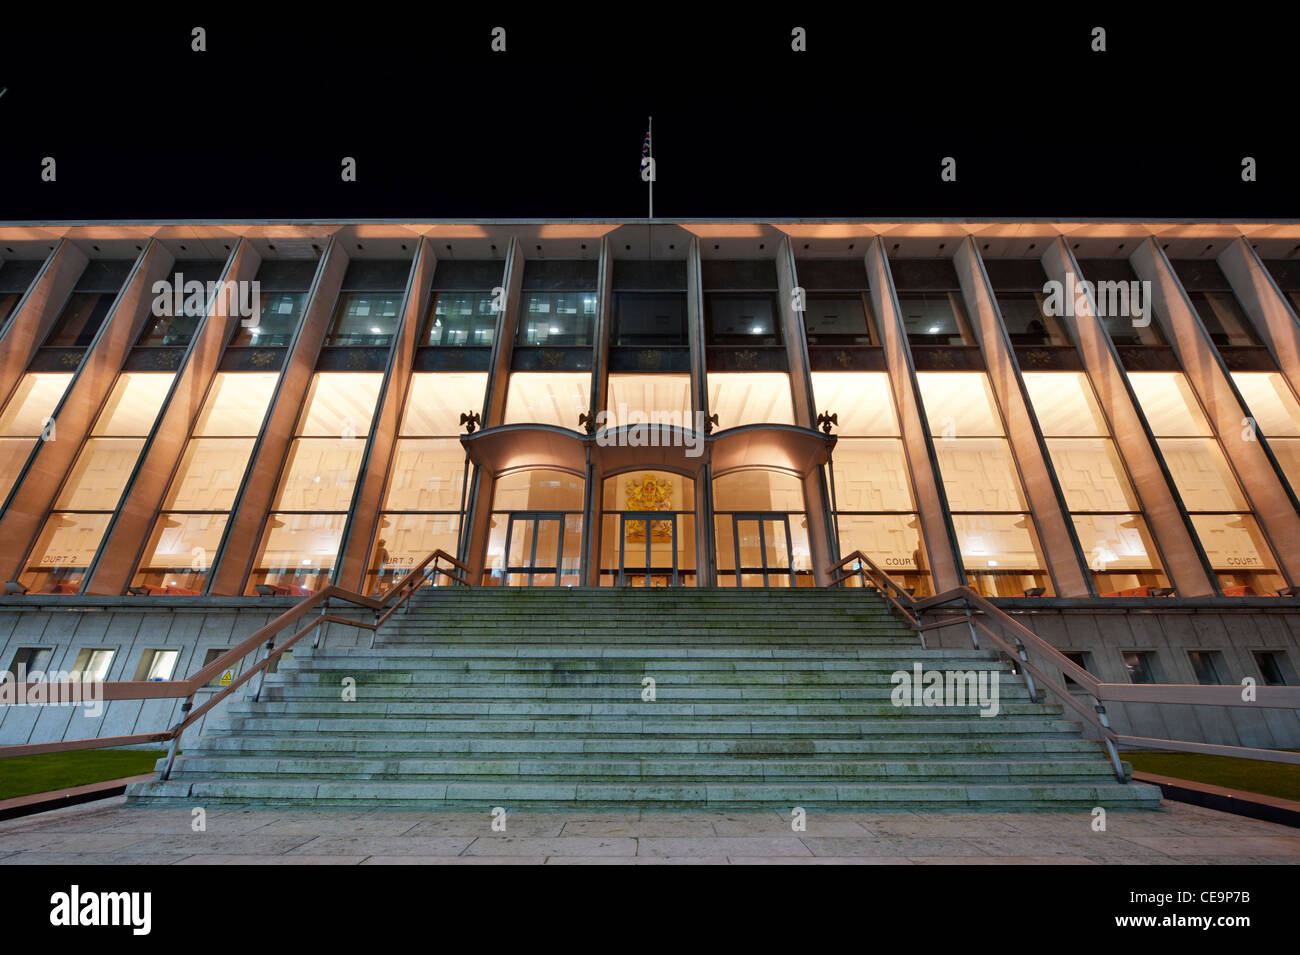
974	610
188	688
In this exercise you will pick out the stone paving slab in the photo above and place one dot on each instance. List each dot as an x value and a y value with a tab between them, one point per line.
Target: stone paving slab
107	832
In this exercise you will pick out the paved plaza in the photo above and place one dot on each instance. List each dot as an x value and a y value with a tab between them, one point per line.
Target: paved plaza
107	832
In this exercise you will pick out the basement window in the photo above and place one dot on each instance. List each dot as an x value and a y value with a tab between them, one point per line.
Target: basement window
1140	666
1079	659
1208	666
156	666
1274	667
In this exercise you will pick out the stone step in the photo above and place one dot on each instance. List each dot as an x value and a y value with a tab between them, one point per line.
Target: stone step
296	689
774	726
633	709
930	748
620	796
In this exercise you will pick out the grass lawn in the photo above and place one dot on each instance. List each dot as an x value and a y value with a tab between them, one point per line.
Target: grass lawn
1251	775
23	775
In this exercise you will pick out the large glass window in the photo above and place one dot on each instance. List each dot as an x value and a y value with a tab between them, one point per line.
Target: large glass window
839	318
557	318
548	397
460	319
875	512
649	318
1018	285
80	319
300	542
935	318
426	485
995	532
649	399
70	538
365	319
27	418
750	397
735	318
1107	516
277	319
1276	415
187	533
1123	302
1229	533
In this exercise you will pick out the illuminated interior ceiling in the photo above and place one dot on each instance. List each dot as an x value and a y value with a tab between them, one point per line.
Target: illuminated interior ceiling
861	400
1064	404
33	402
1168	403
134	403
959	403
1270	401
649	395
341	402
438	399
237	403
740	398
548	397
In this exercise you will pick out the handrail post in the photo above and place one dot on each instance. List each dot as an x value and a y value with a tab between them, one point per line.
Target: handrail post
970	622
1110	743
176	740
320	624
1029	677
261	677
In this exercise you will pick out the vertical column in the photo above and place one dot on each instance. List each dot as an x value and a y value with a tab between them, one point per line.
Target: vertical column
592	498
128	533
1046	502
1267	307
36	313
1184	561
1261	480
368	498
938	539
76	413
816	497
479	501
235	558
705	558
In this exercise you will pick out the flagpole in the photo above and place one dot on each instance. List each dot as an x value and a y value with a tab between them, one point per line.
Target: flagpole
650	129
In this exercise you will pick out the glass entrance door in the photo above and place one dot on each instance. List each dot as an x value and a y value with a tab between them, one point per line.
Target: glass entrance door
763	546
534	549
647	549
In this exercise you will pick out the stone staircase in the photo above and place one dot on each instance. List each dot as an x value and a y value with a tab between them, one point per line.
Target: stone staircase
533	699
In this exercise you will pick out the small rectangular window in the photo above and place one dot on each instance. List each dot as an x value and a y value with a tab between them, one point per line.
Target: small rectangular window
1140	666
156	666
1208	666
1274	667
91	665
1079	659
211	656
28	662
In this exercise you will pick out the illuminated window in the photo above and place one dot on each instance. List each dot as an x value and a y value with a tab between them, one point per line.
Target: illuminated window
460	319
872	488
750	397
1105	511
998	543
27	417
300	541
548	397
427	481
649	399
1219	511
93	488
187	534
1276	415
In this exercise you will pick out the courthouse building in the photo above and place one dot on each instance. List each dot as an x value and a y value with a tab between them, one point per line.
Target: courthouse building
1093	422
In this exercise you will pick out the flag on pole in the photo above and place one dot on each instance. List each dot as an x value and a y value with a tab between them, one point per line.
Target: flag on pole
645	146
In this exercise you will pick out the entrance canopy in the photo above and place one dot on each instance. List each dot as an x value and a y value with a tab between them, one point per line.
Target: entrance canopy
789	448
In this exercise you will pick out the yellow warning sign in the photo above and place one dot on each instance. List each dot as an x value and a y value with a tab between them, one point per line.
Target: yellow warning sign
227	677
